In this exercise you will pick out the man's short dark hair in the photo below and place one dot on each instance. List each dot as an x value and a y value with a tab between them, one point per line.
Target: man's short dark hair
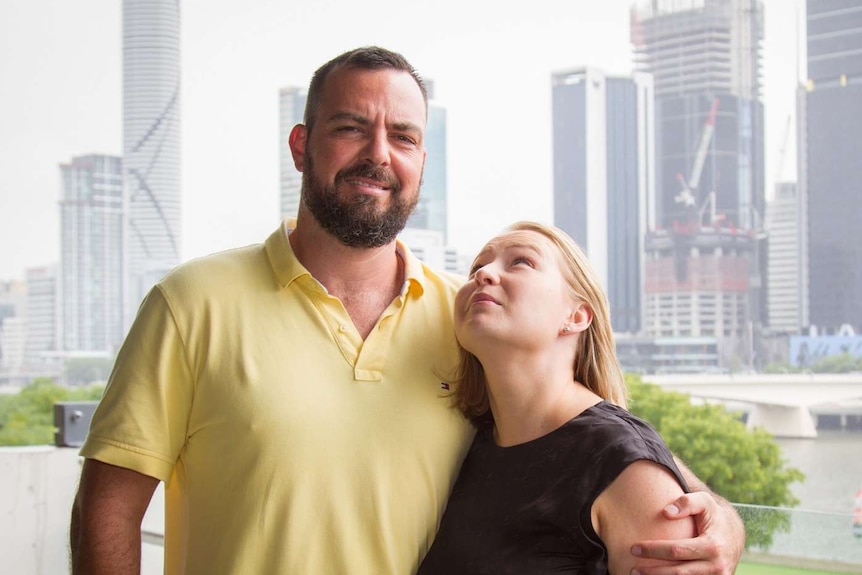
364	58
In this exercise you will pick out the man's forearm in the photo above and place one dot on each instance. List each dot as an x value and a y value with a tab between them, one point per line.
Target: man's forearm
105	532
695	484
736	527
111	547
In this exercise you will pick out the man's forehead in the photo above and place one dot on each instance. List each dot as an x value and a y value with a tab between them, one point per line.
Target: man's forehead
359	80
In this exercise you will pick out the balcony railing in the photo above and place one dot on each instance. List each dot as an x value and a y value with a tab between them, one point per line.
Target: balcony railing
37	485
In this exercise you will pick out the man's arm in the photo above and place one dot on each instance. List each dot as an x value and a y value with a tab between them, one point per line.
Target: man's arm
720	541
629	509
105	535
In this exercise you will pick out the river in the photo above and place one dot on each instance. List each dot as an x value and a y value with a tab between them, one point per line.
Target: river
832	464
822	522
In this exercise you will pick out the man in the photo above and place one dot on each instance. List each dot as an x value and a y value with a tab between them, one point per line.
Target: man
289	393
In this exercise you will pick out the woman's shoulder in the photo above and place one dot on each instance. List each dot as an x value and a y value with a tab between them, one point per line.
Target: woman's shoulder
613	430
607	418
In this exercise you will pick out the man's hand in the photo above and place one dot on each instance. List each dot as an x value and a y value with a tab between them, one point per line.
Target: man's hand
715	551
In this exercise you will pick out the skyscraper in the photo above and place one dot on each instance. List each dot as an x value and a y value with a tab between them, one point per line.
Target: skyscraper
428	246
291	105
431	211
706	266
701	52
603	177
42	316
151	142
788	304
91	254
833	171
13	325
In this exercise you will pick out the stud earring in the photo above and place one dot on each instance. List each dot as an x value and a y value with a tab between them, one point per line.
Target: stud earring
567	329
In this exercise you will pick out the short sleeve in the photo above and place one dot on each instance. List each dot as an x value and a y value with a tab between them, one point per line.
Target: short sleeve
141	422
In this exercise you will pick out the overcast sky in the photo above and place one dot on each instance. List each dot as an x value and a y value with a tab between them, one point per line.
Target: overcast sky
491	63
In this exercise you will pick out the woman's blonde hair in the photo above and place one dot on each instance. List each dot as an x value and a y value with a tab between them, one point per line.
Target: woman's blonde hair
596	365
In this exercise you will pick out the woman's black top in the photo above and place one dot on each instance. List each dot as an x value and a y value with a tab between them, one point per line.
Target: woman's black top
525	509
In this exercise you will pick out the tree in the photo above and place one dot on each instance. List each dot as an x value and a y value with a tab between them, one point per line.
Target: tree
842	363
742	465
780	367
28	417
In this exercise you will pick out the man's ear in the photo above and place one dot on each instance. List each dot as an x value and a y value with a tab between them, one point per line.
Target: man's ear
297	140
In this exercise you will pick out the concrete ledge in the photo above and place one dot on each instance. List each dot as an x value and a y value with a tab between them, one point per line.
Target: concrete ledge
37	485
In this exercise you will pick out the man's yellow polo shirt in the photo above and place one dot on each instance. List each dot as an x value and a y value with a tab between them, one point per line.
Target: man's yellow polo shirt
287	443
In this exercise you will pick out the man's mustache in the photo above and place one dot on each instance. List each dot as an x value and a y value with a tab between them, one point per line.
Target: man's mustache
375	173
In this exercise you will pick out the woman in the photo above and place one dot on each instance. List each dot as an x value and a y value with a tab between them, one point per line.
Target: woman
560	478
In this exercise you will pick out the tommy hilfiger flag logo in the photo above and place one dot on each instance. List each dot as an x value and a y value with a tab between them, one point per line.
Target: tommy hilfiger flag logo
444	385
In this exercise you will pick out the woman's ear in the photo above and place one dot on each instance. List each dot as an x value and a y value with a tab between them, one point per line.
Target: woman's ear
580	319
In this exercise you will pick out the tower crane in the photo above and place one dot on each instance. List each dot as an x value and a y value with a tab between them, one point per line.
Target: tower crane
687	196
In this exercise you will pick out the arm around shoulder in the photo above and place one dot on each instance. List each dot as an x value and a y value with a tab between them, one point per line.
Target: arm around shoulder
720	539
105	535
631	510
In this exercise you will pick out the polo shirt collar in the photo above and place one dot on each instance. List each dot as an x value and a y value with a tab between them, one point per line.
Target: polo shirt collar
287	267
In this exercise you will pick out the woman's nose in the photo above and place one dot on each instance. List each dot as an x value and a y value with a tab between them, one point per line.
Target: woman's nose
485	275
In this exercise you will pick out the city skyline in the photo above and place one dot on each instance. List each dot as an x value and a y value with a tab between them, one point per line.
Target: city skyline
234	64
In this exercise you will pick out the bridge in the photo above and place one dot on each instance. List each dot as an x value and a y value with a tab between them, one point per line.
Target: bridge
780	403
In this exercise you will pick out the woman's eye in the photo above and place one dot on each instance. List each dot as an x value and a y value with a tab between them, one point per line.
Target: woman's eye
522	260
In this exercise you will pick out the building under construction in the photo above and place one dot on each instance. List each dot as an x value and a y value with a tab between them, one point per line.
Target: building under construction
704	258
698	281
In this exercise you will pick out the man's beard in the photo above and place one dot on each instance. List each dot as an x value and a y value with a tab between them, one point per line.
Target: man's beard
356	221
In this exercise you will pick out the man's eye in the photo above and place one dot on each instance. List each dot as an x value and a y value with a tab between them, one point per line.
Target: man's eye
406	140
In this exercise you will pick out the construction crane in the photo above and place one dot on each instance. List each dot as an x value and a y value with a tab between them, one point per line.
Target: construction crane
688	198
687	195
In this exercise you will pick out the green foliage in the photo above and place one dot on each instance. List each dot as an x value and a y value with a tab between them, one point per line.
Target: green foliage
841	363
764	569
741	465
778	367
28	417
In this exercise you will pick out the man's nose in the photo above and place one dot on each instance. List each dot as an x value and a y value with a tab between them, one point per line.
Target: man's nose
377	149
